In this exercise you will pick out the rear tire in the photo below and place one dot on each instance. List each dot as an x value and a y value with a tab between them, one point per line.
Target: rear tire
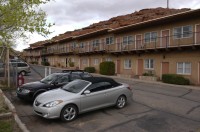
69	113
121	102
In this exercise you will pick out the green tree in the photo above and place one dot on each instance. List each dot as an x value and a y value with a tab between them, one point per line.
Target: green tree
19	17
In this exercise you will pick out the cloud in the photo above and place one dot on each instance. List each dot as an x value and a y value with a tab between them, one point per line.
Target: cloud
75	14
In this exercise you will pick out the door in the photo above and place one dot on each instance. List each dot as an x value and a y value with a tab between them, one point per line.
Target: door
118	66
118	44
199	74
165	68
165	38
140	66
197	34
138	41
96	99
66	62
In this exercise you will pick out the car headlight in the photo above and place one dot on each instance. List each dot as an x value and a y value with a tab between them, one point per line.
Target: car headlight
25	91
52	103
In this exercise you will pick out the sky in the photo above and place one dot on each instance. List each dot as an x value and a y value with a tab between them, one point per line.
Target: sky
69	15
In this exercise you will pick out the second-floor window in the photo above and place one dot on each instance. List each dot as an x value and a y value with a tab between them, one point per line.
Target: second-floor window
95	42
149	64
109	40
150	37
183	32
128	40
74	45
81	45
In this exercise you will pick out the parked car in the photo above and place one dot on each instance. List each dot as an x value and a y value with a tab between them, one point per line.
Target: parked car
30	91
81	96
22	67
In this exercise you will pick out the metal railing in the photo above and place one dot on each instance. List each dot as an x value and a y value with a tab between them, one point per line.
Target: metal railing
179	40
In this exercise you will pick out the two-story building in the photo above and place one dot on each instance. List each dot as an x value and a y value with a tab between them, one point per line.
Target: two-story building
168	44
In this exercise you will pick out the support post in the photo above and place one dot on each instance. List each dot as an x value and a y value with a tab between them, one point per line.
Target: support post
8	66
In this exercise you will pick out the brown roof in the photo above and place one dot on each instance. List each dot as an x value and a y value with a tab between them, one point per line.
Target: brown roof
117	22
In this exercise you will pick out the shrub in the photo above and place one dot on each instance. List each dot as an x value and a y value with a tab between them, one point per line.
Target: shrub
71	64
148	74
107	68
45	63
175	79
90	69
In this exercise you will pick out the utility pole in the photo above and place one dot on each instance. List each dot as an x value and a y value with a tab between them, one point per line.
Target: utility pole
167	3
8	65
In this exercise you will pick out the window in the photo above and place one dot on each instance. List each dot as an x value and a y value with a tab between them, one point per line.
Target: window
75	76
99	86
22	65
149	64
96	61
183	68
150	37
84	62
81	45
73	45
95	42
63	79
109	40
127	64
108	59
183	32
127	40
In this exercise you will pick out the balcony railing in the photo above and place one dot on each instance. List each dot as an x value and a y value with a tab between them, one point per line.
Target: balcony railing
166	42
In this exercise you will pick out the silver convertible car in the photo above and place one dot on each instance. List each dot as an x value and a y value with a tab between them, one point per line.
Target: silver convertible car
81	96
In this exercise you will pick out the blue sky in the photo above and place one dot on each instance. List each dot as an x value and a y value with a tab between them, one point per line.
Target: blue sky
69	15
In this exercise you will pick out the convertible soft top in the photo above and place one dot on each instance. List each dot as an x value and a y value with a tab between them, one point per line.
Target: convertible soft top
102	79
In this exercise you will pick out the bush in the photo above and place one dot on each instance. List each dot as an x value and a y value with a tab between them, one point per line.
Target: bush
71	64
175	79
45	63
107	68
148	74
90	69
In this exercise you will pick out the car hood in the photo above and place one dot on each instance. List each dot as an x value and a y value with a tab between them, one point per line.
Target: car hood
34	85
57	94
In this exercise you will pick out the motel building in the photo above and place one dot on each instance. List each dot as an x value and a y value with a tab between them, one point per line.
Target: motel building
167	44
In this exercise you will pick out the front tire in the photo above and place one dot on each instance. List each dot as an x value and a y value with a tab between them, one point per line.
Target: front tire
69	113
121	102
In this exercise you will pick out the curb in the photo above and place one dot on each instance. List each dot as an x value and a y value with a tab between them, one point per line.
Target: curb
11	107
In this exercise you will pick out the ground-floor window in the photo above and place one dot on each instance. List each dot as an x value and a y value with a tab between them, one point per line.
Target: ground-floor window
127	64
183	68
96	61
149	64
84	61
108	59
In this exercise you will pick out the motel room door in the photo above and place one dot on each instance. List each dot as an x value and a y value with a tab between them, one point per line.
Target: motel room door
197	34
165	68
118	66
165	38
138	41
140	66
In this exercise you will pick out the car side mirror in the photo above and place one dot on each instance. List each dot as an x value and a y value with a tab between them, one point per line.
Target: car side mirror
87	92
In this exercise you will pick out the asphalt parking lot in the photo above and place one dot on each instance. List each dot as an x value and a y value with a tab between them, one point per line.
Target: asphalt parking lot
154	108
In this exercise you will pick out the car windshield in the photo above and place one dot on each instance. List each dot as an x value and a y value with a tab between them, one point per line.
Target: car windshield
75	86
49	79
